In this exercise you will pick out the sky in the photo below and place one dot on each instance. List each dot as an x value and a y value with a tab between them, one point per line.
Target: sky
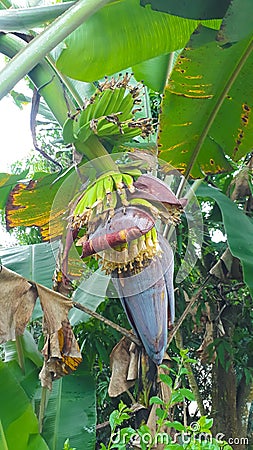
15	136
15	140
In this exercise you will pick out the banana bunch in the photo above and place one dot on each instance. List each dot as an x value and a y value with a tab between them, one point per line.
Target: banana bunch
100	199
109	114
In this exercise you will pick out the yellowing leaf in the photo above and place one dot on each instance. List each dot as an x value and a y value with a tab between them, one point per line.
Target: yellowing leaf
200	127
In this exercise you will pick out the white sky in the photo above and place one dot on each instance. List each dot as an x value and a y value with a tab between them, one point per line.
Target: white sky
15	136
15	139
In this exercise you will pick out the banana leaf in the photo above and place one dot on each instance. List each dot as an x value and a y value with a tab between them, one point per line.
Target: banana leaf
18	425
206	109
71	412
7	182
239	230
237	23
122	40
27	18
196	9
35	262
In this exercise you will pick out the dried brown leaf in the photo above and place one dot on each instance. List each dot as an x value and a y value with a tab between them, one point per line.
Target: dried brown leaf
124	363
17	299
61	351
227	268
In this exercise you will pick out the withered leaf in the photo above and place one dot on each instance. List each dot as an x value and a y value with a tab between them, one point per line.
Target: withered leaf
124	363
17	299
227	268
61	351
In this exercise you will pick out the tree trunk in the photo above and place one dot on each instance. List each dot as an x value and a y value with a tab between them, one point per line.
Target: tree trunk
229	400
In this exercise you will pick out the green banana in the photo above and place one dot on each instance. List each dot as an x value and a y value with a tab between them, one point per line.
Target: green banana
146	204
115	102
102	103
100	190
128	181
126	107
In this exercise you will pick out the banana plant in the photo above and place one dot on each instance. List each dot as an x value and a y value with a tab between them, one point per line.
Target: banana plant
113	217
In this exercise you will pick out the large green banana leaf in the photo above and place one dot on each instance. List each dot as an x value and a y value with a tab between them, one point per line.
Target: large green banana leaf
119	36
71	412
35	262
239	230
18	424
90	293
206	111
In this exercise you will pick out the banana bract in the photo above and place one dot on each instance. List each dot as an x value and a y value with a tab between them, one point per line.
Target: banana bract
151	309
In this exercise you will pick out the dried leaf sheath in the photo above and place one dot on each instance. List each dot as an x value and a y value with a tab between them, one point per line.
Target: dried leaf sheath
61	351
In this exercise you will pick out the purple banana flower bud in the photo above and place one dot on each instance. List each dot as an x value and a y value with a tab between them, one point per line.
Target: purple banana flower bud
152	308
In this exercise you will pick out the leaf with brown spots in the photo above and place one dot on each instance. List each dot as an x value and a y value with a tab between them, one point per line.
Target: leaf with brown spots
200	126
32	203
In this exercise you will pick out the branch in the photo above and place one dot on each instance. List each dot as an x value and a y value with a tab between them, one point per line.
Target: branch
187	310
116	327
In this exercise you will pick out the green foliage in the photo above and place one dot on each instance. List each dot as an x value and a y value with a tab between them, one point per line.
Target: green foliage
202	132
238	231
110	53
195	436
17	416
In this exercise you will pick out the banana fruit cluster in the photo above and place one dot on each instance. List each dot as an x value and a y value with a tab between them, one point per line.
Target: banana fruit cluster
109	114
100	200
98	204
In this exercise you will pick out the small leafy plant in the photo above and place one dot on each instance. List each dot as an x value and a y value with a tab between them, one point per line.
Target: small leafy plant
196	436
